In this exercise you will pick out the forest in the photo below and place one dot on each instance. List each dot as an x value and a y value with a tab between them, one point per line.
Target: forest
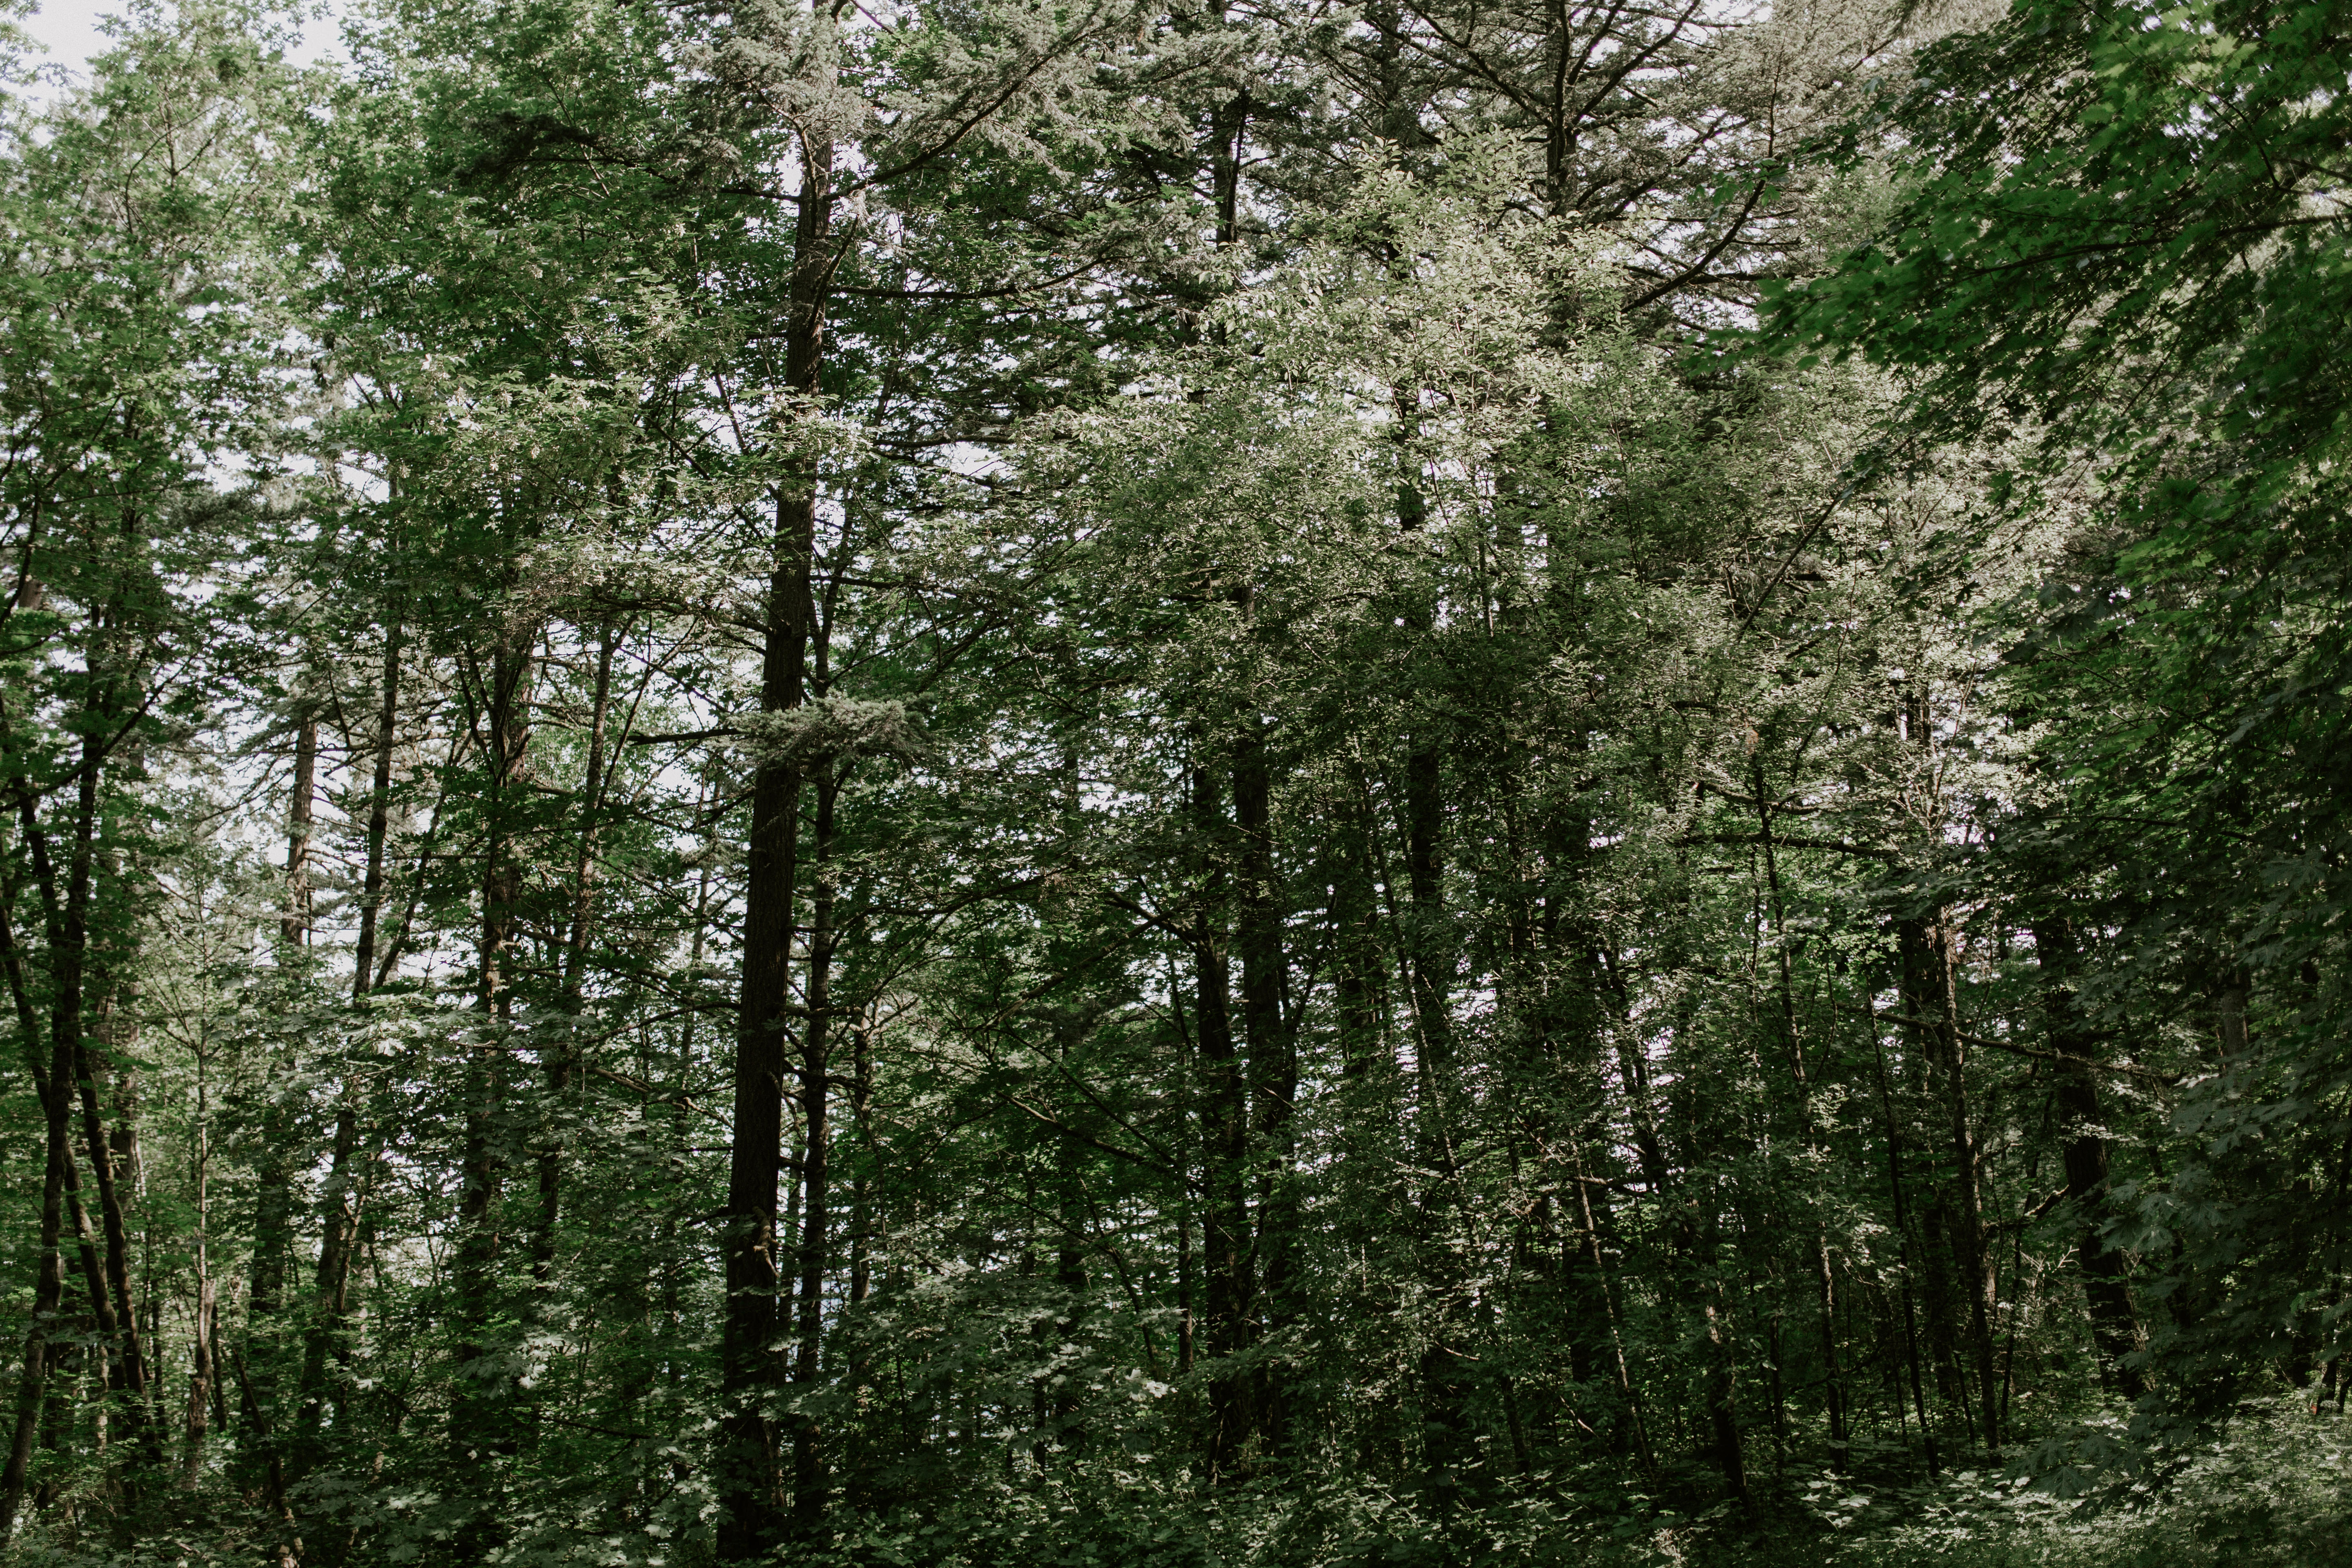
1178	783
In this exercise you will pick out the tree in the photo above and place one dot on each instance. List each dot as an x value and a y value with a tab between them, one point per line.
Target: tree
2111	230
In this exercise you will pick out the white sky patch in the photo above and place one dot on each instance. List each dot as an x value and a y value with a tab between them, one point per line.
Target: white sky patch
72	31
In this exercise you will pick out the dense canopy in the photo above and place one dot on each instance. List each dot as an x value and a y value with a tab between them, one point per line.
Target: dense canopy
997	782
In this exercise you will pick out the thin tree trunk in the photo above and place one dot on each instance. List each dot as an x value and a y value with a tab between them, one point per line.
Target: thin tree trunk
340	1198
863	1221
809	1479
1184	1286
273	1202
861	1217
1354	919
1224	1118
339	1202
1902	1232
1273	1073
1825	1278
112	1156
1187	1076
202	1374
561	1063
1598	1261
1723	1400
371	883
273	1237
1926	947
294	924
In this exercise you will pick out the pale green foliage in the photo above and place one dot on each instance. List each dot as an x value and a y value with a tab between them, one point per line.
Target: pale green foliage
2269	1492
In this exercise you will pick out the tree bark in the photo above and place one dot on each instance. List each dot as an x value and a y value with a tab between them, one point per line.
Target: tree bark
1224	1103
1723	1402
1825	1275
2115	1325
1621	1369
809	1487
561	1061
68	944
1931	1005
1272	1072
338	1203
371	884
77	1218
747	1478
202	1373
294	924
480	1418
93	1023
48	1290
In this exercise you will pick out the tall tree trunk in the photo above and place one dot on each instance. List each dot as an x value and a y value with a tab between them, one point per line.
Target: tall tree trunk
1187	1082
273	1238
1429	952
2115	1326
866	1224
481	1420
1825	1275
1273	1071
111	1154
1355	944
809	1487
36	1062
1621	1369
202	1373
371	882
1931	1004
340	1200
1723	1400
48	1292
69	918
1224	1103
1904	1233
746	1480
561	1061
1428	960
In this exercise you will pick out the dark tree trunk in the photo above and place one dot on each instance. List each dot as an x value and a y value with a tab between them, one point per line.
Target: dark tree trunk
746	1479
105	982
810	1483
2115	1325
1588	1214
371	883
294	924
1929	1002
48	1292
560	1060
1224	1102
77	1218
1273	1071
68	920
203	1370
116	1227
340	1200
482	1420
1723	1404
273	1225
1825	1275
